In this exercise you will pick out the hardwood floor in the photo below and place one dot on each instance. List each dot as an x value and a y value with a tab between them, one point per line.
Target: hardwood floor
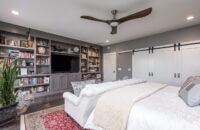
15	124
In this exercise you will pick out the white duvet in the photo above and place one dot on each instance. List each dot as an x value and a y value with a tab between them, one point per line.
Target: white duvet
162	111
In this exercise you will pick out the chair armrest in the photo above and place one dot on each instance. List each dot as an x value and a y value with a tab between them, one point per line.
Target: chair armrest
71	97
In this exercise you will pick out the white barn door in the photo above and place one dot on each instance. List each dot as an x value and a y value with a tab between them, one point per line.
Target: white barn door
190	57
140	68
109	67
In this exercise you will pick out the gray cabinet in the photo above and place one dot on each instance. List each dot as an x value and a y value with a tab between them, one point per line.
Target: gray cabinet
62	82
55	83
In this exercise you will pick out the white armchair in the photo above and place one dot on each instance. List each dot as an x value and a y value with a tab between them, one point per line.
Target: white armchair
79	108
79	111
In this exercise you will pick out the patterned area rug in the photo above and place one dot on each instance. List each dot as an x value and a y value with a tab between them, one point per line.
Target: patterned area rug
50	119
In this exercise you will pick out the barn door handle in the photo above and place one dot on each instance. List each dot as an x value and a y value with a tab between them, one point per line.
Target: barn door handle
174	75
179	75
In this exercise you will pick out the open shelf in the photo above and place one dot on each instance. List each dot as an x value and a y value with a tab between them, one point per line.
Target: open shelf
41	55
16	47
32	85
90	59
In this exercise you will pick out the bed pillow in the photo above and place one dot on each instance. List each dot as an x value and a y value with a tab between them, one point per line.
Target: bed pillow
191	93
188	81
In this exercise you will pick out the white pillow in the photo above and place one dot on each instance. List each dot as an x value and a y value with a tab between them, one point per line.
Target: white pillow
78	86
191	93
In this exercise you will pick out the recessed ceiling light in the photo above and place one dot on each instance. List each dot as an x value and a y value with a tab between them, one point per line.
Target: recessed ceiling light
190	18
107	41
15	12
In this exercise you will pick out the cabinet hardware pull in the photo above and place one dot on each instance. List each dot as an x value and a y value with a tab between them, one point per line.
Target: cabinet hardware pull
149	74
174	75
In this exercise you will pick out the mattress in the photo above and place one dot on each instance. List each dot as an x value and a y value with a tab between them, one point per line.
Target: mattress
163	110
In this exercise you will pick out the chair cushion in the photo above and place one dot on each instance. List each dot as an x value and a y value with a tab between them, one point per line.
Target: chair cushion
190	93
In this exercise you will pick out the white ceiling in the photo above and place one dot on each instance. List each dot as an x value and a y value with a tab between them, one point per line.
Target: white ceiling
62	17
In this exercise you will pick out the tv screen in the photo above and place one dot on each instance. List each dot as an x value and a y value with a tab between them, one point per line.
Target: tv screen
63	63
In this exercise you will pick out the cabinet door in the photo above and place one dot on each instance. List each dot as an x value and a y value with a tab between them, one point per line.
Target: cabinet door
166	66
63	82
140	64
55	83
72	78
190	57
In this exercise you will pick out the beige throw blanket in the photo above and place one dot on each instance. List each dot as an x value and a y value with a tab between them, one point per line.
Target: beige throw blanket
113	107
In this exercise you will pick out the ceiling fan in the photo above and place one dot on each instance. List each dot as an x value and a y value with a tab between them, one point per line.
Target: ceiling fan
115	22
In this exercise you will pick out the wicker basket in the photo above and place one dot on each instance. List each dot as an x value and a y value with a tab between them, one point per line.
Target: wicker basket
8	112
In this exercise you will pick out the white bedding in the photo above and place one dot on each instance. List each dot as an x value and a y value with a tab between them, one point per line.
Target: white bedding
162	111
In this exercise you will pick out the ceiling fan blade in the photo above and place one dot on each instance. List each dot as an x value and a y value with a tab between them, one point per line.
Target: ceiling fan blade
140	14
94	19
114	30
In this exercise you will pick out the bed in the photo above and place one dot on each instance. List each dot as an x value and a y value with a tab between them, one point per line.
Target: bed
163	110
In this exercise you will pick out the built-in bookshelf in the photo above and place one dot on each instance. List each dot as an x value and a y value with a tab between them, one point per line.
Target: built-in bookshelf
34	61
16	46
90	63
42	56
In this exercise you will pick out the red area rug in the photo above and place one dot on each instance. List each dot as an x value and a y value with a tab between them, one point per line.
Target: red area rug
50	119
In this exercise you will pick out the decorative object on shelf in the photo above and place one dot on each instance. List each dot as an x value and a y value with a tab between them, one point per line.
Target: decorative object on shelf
2	39
98	76
83	56
13	53
83	69
46	79
30	43
69	50
42	43
23	71
41	50
40	89
7	91
24	43
12	42
76	49
4	53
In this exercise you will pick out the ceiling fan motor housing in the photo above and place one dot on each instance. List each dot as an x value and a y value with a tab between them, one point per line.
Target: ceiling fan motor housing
114	24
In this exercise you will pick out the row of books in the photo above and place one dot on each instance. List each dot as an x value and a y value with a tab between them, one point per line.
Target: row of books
26	55
43	61
37	89
25	63
31	81
91	76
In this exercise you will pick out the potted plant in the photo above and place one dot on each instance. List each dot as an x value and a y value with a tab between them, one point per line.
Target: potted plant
8	75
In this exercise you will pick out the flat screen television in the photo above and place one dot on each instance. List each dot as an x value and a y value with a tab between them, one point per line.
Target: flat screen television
64	63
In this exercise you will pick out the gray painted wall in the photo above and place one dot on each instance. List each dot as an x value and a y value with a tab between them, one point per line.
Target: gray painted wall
176	36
